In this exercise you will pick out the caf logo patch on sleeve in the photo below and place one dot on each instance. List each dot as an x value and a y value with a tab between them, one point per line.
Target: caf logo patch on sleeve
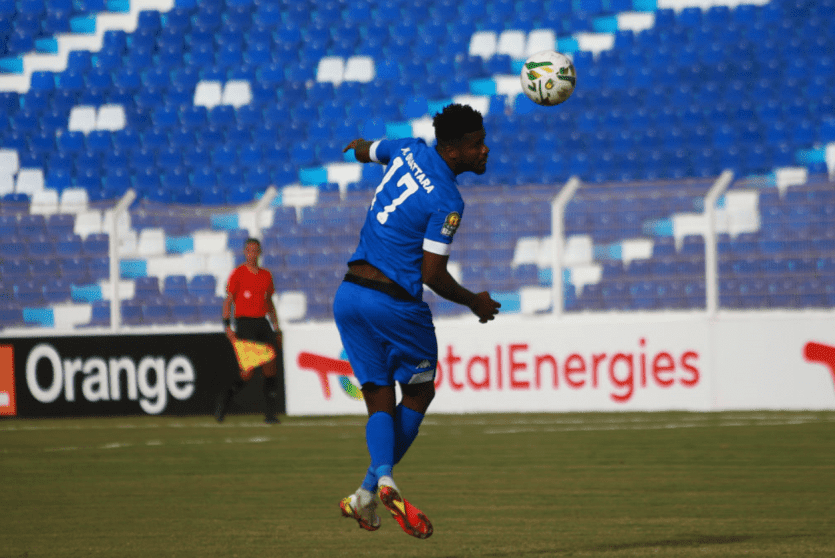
451	224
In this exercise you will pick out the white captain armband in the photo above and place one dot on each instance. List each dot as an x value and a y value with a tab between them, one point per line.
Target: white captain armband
372	152
440	248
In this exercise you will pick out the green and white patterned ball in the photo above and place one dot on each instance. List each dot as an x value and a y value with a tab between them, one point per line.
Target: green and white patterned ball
548	78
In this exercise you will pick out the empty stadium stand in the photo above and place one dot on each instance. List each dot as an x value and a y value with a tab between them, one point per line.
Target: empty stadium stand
200	106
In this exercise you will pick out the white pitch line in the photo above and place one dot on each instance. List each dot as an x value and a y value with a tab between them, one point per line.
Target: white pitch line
464	420
662	426
157	443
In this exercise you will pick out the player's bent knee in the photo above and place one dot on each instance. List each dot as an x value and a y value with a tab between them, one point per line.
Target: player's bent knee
418	396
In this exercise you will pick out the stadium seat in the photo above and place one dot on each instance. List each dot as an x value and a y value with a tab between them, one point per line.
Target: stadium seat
202	285
11	315
359	69
131	312
57	290
175	287
13	247
29	293
185	312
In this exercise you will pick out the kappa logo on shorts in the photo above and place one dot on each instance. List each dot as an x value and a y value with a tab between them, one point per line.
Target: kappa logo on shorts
453	220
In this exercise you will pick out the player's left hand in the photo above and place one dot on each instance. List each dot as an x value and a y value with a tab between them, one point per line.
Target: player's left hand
485	307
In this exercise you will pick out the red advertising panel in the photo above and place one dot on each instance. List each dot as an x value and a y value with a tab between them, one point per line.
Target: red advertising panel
8	405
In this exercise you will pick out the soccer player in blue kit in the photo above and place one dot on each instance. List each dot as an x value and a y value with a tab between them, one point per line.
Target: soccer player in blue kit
385	326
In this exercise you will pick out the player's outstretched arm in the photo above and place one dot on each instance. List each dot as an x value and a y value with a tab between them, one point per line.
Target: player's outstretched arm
361	149
437	277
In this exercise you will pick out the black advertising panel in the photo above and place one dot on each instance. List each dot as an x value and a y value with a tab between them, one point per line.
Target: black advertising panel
162	374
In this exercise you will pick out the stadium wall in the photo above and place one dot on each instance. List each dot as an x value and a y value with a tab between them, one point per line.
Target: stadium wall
740	361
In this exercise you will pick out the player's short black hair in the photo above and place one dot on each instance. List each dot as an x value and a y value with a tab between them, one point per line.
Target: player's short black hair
452	123
252	239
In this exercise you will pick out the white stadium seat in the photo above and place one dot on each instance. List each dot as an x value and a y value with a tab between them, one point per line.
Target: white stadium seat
512	42
6	183
9	161
330	70
82	119
111	118
151	242
87	223
208	94
29	181
74	200
44	202
539	40
359	68
483	43
237	93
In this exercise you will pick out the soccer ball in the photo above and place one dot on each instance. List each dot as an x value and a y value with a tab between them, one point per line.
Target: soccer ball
548	78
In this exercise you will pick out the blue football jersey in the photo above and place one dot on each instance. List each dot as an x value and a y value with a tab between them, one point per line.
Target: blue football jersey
416	207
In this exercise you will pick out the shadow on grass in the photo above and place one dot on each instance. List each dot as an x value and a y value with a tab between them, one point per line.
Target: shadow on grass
682	542
694	540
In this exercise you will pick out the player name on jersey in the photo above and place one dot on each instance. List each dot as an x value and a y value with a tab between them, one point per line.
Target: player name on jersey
417	172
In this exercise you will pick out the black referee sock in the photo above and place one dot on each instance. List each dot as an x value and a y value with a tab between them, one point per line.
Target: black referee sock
236	387
270	396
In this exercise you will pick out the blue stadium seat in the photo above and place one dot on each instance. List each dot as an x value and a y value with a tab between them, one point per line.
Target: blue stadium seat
202	285
100	315
98	268
239	194
185	311
40	246
175	286
209	308
29	293
11	315
13	247
43	267
187	195
15	269
68	245
96	245
30	225
146	288
57	290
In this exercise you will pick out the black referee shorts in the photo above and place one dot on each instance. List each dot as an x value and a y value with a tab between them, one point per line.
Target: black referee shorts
256	329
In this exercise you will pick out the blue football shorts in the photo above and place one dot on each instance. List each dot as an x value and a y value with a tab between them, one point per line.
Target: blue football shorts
386	339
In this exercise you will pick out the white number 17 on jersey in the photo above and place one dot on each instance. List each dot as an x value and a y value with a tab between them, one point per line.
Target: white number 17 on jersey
406	180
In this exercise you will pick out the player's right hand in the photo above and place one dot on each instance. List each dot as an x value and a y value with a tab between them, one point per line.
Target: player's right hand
361	149
352	145
485	307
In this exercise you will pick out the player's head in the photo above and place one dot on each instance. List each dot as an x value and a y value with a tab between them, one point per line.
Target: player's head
459	130
252	249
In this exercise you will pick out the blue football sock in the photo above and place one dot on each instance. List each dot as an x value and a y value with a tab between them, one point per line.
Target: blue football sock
406	426
379	435
370	481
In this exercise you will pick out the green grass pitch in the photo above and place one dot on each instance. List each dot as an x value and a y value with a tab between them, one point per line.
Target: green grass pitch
522	485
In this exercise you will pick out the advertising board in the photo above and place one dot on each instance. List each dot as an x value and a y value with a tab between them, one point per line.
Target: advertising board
693	363
165	374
